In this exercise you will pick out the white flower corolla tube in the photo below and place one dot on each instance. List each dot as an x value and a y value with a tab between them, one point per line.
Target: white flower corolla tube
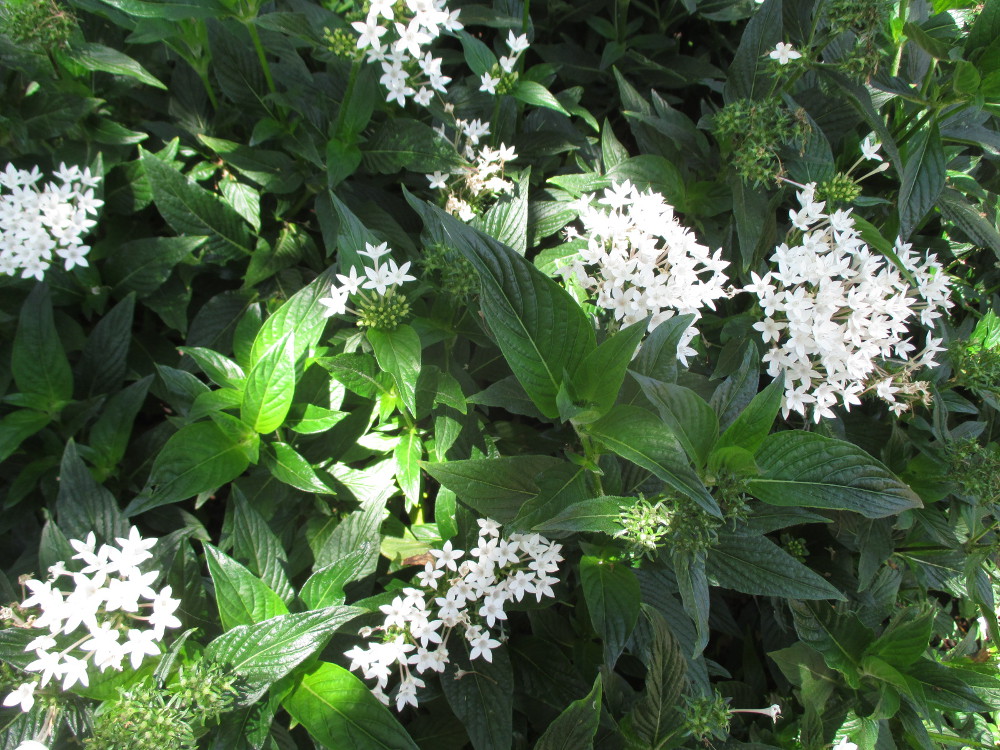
838	316
640	261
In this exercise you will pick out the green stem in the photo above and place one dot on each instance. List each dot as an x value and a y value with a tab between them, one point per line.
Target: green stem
526	17
261	56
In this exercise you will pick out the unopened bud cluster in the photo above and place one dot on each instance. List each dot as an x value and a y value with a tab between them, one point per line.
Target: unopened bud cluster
469	595
641	262
111	598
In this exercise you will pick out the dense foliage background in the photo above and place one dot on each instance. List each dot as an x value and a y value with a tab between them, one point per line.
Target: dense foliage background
193	356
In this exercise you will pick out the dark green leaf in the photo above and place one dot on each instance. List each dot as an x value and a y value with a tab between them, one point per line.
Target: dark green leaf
689	417
38	362
482	698
639	437
197	458
922	180
107	60
754	423
102	366
288	466
325	587
575	727
403	143
340	712
398	353
242	598
805	469
756	565
539	327
597	514
613	598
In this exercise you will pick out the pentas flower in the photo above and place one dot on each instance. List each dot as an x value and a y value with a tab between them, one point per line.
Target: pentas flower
377	304
41	223
458	590
397	36
85	625
784	53
837	315
502	74
469	191
640	261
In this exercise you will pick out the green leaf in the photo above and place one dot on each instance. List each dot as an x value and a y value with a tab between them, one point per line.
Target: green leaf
38	362
270	387
141	266
745	78
110	434
639	437
922	180
906	638
736	392
493	487
264	652
558	488
692	581
483	698
243	199
599	377
531	92
756	565
657	358
312	419
541	330
611	591
402	143
339	711
288	466
507	219
82	505
190	209
575	727
652	172
325	587
808	470
254	541
242	597
406	455
103	366
839	637
957	210
654	718
752	426
398	353
292	244
274	171
197	458
479	57
17	427
301	314
107	60
688	415
220	369
600	514
356	371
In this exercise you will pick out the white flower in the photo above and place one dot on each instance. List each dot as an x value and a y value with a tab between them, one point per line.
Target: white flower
438	180
23	696
870	147
783	53
845	744
446	556
517	44
31	745
483	646
489	84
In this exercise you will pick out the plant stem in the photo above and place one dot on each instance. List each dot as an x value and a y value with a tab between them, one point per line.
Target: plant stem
261	56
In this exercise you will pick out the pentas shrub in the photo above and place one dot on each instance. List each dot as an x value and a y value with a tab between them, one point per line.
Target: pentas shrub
499	375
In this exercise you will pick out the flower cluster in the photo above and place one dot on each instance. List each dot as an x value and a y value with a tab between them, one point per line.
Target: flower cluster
37	223
489	82
469	594
834	311
642	262
105	602
386	308
408	70
482	179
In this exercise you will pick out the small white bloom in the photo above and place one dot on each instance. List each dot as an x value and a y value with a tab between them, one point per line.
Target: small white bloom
489	84
23	696
783	53
870	147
